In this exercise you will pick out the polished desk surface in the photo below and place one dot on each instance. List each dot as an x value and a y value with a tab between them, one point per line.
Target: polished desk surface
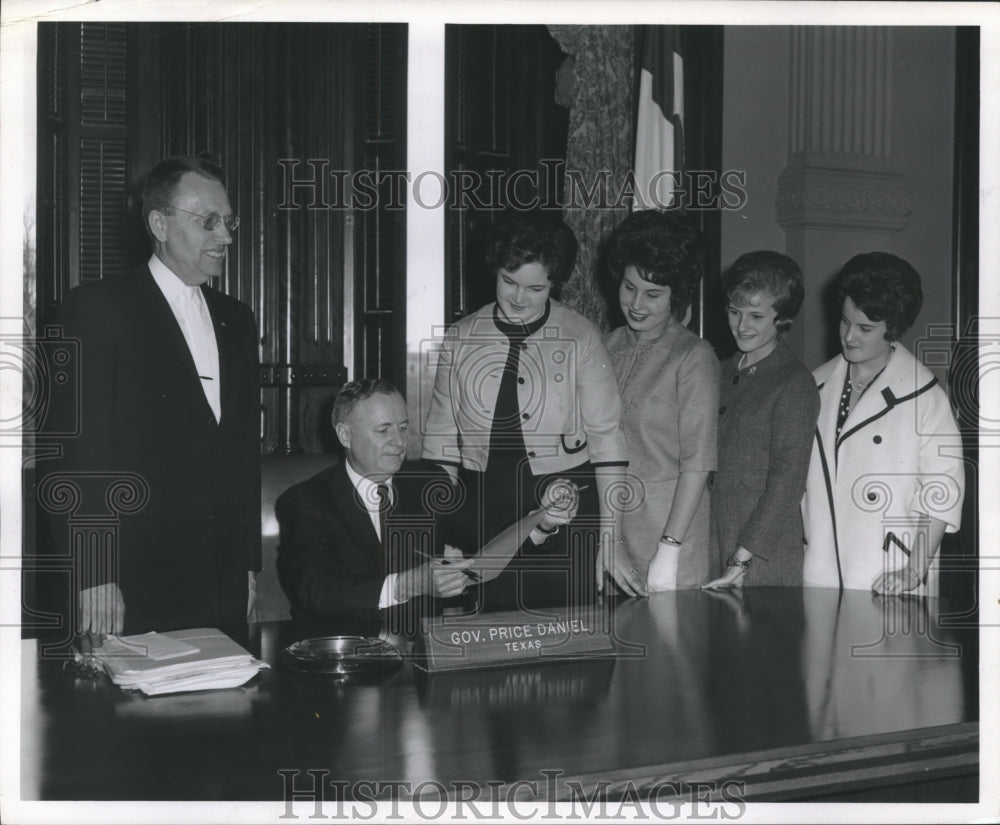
779	688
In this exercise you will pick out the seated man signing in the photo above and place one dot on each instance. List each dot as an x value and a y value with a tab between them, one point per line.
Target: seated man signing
371	532
337	556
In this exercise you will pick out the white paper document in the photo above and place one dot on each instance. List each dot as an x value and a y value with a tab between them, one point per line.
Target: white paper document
157	663
154	646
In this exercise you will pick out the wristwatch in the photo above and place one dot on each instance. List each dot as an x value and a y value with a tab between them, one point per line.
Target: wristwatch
670	540
732	561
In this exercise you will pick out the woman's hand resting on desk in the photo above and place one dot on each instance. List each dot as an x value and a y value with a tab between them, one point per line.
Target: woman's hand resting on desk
895	582
736	568
733	577
614	561
662	573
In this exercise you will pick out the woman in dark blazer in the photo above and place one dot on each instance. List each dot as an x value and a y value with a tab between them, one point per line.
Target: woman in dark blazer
768	405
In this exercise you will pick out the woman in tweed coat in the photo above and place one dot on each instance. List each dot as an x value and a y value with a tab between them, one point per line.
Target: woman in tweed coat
669	382
768	405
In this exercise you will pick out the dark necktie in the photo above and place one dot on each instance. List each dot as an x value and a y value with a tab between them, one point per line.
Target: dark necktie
383	507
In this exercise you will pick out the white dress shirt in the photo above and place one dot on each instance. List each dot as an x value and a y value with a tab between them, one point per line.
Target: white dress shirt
368	493
189	308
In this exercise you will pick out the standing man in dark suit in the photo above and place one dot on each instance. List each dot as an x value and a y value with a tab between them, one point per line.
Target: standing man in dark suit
355	538
169	405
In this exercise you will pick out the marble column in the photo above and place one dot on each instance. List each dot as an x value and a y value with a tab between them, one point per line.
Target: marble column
839	194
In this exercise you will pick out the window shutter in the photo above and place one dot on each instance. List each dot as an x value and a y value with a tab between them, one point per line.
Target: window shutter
102	208
382	275
102	74
484	89
102	146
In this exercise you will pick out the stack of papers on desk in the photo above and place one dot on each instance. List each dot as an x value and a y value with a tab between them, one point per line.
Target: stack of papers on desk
156	663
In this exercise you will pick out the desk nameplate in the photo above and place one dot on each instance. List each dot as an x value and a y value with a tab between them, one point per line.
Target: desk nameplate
512	638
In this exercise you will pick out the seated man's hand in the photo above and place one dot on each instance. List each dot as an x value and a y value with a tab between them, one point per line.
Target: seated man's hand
102	610
443	578
448	576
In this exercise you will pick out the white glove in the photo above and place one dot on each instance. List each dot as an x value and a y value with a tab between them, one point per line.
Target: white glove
663	568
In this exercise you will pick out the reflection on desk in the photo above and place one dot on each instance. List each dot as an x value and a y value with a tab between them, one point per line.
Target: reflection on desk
787	692
573	683
215	704
849	687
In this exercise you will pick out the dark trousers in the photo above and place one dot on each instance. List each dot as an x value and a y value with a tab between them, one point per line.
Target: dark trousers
561	571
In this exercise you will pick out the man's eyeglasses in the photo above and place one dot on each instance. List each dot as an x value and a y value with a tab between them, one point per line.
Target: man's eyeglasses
210	221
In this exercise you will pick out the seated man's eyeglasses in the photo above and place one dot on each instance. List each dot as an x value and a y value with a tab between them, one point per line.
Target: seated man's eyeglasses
212	219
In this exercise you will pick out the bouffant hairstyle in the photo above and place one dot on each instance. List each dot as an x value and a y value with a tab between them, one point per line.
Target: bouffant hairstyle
353	392
885	288
666	249
769	273
520	238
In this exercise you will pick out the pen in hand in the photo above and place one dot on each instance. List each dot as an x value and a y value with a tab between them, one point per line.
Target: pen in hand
470	574
562	495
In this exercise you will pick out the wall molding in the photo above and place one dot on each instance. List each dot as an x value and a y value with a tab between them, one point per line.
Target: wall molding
839	174
827	194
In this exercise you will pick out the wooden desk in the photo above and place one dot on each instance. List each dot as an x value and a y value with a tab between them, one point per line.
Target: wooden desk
788	693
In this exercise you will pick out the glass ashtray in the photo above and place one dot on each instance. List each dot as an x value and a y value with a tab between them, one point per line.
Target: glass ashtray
341	655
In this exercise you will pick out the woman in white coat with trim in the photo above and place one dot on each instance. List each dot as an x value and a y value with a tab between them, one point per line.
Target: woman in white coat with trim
886	479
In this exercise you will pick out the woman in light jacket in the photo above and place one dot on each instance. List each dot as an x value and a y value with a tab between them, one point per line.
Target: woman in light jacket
525	393
886	479
669	382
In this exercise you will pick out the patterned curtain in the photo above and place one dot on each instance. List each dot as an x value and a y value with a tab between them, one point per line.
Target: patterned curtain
601	141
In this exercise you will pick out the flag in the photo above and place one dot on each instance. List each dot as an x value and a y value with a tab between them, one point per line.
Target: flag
659	134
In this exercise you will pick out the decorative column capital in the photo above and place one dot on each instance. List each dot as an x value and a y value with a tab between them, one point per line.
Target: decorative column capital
839	173
818	191
95	496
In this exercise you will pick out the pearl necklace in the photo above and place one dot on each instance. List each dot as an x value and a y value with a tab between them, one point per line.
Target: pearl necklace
860	386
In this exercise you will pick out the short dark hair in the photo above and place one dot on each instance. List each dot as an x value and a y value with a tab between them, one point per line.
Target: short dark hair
353	392
161	184
885	288
520	238
769	272
665	247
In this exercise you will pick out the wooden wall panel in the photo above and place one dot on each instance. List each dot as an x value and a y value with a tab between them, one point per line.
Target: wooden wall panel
53	217
501	117
380	231
117	97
